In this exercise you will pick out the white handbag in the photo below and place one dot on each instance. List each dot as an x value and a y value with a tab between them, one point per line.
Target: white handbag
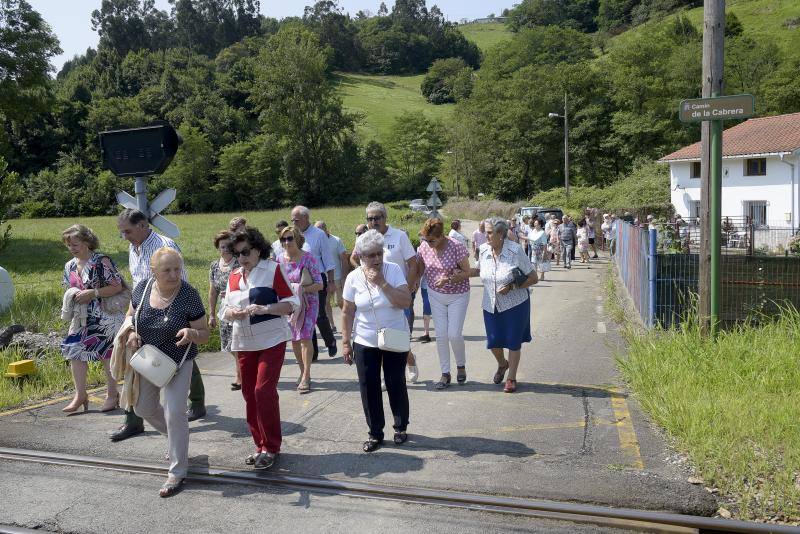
150	362
389	339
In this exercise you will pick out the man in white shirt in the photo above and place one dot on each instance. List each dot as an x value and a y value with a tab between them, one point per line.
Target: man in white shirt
478	238
317	241
277	249
339	252
135	228
397	248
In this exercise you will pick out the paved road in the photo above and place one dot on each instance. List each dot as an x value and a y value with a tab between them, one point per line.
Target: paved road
570	433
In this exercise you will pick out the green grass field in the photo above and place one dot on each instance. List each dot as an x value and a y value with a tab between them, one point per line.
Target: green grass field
35	259
486	35
760	18
381	99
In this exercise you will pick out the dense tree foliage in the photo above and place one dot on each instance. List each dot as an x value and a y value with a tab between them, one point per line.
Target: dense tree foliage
448	80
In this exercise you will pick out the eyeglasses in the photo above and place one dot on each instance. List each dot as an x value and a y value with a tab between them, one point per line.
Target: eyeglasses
243	252
359	233
374	219
287	239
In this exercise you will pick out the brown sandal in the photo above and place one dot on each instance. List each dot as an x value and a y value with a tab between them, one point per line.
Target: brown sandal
501	372
171	487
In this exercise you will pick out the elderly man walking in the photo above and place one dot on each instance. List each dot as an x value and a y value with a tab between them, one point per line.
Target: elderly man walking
317	242
340	270
135	228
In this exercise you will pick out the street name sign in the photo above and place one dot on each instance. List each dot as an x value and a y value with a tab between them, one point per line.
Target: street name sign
717	108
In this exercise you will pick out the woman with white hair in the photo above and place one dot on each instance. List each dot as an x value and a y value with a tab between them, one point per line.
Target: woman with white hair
168	314
375	297
506	273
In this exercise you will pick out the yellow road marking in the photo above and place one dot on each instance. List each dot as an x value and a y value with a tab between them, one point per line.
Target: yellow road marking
628	441
52	401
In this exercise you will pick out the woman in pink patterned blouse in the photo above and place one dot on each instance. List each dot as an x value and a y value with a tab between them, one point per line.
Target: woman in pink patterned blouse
445	265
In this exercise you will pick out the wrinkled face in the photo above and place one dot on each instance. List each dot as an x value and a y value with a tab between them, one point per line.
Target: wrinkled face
376	220
167	271
300	220
225	249
247	255
495	238
77	247
288	243
372	259
134	233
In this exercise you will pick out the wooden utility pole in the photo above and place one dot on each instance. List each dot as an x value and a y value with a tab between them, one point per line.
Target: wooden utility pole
711	168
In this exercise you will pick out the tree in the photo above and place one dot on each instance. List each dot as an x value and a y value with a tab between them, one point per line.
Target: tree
415	145
335	29
249	174
448	80
26	46
297	103
10	192
190	172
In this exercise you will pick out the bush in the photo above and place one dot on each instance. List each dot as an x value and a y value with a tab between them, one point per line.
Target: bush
448	80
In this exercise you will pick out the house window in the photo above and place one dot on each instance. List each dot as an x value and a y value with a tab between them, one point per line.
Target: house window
694	171
755	167
756	211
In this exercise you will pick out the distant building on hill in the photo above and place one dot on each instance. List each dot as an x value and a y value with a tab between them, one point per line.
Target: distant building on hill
760	172
488	20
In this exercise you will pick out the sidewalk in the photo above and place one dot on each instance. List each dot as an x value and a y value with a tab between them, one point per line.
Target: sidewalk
569	433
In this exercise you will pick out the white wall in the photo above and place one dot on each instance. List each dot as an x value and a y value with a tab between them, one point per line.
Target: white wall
775	188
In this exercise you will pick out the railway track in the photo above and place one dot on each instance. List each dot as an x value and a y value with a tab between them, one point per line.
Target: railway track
624	518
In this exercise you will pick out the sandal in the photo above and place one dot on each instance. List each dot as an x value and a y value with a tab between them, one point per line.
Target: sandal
304	387
171	487
461	375
443	382
251	458
265	460
511	386
501	372
400	437
372	444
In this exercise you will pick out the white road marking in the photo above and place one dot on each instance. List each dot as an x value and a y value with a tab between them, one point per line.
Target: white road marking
601	327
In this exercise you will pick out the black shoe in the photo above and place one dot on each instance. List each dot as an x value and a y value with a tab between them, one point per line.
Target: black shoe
424	339
126	431
332	350
235	386
196	412
372	444
265	460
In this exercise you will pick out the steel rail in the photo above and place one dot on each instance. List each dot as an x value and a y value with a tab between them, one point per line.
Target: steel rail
626	518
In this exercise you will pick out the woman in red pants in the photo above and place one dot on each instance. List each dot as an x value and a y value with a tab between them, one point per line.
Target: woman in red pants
258	300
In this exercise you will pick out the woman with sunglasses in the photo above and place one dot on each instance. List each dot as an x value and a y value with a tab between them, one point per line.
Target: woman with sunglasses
258	297
445	264
303	321
218	275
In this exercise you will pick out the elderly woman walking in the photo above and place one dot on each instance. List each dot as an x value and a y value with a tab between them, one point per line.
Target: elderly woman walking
506	273
537	238
445	264
218	274
168	314
303	273
258	299
375	297
95	302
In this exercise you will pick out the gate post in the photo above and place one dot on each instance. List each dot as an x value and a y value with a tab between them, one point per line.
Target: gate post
651	268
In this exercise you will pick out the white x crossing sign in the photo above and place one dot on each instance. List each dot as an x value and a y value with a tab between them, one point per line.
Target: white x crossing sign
153	212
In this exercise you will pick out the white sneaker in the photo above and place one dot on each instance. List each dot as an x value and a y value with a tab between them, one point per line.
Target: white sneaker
413	373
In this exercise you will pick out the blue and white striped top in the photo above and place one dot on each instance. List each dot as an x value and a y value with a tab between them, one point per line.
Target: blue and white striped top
139	260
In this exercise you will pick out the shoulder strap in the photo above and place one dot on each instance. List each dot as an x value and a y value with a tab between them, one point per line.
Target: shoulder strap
372	304
139	308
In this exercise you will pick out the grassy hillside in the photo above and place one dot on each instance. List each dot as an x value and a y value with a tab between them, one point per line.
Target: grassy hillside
486	35
775	19
382	98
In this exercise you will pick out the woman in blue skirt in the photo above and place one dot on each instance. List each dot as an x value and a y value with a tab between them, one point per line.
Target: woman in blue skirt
506	273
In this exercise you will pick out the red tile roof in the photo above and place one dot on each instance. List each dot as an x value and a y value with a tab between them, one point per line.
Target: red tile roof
764	135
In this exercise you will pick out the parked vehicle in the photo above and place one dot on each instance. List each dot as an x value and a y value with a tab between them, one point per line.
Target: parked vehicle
418	205
538	212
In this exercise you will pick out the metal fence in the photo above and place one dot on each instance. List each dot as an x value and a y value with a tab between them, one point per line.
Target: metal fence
664	286
740	236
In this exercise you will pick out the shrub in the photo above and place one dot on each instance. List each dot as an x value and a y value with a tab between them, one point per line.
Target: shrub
448	80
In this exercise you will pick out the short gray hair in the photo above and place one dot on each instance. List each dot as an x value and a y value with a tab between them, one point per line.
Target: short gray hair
499	225
377	206
369	240
131	216
302	210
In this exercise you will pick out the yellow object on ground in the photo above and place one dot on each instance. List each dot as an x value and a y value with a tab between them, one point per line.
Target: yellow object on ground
20	368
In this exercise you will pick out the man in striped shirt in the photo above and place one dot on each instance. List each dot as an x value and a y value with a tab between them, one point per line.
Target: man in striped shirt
134	227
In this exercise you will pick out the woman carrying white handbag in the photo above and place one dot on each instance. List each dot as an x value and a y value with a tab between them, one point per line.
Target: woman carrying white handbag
170	322
375	335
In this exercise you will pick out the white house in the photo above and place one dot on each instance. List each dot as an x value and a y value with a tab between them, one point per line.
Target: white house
760	172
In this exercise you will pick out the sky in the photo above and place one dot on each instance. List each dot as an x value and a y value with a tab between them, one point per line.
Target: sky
70	20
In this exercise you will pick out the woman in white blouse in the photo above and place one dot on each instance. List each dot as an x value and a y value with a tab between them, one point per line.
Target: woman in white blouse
375	297
506	273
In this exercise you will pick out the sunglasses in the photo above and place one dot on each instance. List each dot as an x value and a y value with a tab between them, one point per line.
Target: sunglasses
243	252
360	233
374	219
287	239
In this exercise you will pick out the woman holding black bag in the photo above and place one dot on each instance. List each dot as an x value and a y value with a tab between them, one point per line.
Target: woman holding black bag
506	273
169	316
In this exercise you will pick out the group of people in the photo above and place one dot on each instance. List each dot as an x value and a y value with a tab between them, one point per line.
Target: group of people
264	295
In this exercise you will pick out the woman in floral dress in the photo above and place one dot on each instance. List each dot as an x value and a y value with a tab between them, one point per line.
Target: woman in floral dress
89	277
218	275
303	321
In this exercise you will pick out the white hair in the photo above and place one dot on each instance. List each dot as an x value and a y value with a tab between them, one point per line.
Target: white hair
377	206
302	210
369	240
499	225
